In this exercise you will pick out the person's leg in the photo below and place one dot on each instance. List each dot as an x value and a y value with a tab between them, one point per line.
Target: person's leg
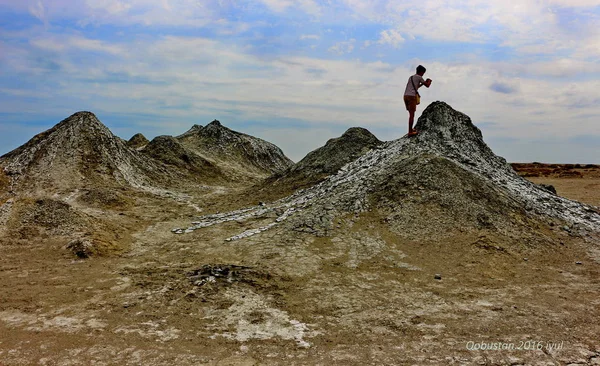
411	107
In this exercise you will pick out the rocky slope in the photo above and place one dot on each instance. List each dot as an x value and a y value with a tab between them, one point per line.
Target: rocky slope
137	141
324	161
169	150
235	152
80	151
446	178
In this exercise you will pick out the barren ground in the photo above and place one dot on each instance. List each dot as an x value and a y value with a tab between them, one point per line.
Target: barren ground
364	296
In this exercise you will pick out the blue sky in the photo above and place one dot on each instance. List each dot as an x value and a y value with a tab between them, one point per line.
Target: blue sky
298	72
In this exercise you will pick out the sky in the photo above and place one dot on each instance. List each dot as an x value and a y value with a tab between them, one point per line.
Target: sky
299	72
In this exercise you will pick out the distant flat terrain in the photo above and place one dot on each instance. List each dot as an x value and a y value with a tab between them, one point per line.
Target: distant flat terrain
580	182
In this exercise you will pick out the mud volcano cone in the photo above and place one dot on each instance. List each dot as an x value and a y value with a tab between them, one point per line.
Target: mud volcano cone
324	161
443	181
235	151
76	152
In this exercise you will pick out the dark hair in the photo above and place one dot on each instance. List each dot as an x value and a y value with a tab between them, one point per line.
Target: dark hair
421	69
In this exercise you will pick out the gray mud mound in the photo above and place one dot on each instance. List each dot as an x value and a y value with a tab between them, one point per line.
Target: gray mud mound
326	160
33	221
81	151
57	217
137	141
105	198
169	150
444	178
236	152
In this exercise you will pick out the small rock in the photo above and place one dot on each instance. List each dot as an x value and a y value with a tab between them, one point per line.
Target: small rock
566	228
82	248
578	263
548	187
437	276
525	259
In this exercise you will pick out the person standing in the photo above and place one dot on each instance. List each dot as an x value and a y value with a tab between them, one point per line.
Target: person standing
412	97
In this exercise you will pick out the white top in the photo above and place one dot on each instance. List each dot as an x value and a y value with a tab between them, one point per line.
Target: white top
417	80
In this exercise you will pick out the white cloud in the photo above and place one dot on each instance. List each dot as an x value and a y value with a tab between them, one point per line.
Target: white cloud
308	6
191	13
38	10
574	3
529	25
278	5
112	7
343	47
391	37
310	36
63	43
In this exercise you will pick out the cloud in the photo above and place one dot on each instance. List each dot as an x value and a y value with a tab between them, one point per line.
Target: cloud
64	43
589	140
277	5
575	3
310	36
343	47
308	6
113	7
391	37
503	88
38	10
190	13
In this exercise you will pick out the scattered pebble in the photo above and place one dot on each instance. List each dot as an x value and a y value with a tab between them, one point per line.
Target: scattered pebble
437	276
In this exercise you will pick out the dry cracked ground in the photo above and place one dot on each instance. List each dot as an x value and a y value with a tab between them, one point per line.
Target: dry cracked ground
363	295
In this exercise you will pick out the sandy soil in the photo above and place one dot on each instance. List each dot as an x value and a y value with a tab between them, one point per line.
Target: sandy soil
364	296
574	181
